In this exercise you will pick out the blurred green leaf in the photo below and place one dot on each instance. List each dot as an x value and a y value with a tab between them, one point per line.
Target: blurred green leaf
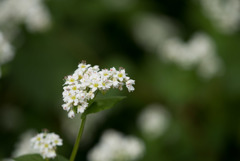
60	158
101	104
37	157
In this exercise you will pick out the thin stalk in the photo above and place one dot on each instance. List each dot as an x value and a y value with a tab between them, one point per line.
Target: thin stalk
76	145
75	148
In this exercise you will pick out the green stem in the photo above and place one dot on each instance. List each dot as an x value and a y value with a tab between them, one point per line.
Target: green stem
75	148
76	145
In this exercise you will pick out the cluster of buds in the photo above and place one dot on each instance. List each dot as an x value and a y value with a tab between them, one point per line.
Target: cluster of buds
46	144
82	86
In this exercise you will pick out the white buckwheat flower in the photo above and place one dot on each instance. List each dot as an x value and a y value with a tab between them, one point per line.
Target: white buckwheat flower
46	144
130	84
82	86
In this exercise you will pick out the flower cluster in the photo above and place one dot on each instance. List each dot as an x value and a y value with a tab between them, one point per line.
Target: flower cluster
115	146
46	144
82	86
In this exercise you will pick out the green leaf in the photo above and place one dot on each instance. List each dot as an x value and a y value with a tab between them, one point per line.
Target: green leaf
37	157
60	158
101	104
30	157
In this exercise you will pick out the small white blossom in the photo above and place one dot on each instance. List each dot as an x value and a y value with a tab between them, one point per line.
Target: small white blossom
105	73
82	66
71	114
120	75
130	84
46	144
66	107
105	85
81	109
115	83
115	146
82	86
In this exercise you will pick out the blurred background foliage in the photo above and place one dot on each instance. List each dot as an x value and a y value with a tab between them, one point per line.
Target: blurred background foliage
204	113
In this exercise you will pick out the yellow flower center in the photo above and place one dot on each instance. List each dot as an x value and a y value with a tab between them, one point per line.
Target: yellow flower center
74	88
104	84
73	97
79	77
83	66
46	145
105	74
95	85
72	80
120	75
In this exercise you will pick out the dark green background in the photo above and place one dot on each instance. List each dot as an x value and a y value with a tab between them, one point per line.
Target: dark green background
205	114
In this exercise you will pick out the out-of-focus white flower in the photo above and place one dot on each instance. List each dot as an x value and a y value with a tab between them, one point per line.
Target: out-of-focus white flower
224	14
82	86
114	146
24	145
6	51
150	30
199	52
153	121
159	35
33	13
46	144
13	13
